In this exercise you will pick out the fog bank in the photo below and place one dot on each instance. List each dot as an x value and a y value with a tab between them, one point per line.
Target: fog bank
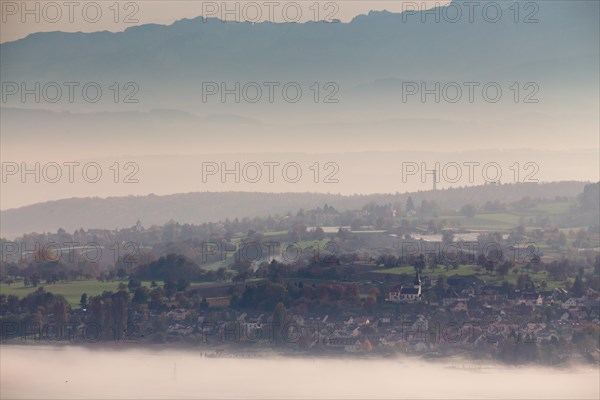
69	373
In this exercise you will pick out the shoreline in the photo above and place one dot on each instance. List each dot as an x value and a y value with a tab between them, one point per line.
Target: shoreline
455	361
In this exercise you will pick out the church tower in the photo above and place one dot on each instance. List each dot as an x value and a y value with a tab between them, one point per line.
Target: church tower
417	284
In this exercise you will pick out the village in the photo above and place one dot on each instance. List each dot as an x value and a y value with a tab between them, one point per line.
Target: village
380	280
472	318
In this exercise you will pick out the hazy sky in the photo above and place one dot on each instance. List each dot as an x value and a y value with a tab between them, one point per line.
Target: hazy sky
19	20
367	117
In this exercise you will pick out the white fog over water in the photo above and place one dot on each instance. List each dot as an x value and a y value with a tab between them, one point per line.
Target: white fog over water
76	373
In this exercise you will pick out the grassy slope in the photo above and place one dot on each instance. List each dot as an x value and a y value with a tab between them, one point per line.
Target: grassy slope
72	291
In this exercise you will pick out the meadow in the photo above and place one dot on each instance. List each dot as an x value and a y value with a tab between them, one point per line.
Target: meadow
73	290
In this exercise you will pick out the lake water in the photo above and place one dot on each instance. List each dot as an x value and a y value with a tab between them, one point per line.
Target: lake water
77	373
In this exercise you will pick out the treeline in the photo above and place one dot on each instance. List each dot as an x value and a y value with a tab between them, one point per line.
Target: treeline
31	312
330	298
172	267
198	208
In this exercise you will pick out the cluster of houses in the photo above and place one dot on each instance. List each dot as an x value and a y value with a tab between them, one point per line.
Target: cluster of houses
472	314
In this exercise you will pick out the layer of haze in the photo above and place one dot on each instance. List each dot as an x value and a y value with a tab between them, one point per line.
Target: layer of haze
368	133
74	373
332	172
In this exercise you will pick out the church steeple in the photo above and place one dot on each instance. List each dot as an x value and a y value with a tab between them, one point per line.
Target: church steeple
417	282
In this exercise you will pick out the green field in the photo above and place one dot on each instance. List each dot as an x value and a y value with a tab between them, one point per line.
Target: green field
213	266
464	270
554	208
274	233
73	290
409	270
494	221
508	219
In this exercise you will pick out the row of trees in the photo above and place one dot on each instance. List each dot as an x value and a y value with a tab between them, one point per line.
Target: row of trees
302	298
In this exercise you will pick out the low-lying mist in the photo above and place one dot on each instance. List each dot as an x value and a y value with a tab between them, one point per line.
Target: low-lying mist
67	372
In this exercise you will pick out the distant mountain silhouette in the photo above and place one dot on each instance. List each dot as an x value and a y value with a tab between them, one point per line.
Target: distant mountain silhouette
561	47
368	59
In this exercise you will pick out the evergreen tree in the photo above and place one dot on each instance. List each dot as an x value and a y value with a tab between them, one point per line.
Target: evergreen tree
84	300
410	205
578	288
